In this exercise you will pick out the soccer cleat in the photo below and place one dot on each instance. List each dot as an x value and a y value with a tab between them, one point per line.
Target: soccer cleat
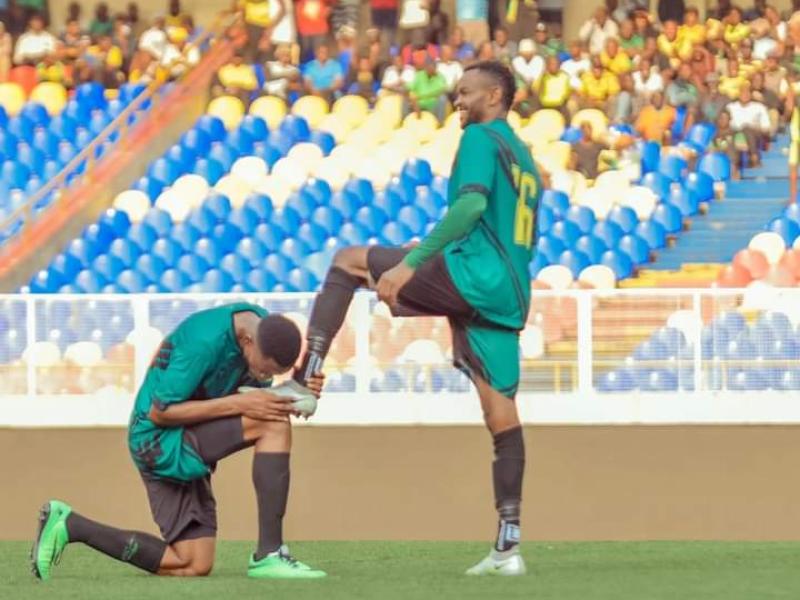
281	565
51	538
506	564
303	399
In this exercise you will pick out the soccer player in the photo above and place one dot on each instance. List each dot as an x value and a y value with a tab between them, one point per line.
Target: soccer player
471	268
187	416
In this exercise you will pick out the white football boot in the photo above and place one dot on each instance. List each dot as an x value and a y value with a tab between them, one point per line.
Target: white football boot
508	563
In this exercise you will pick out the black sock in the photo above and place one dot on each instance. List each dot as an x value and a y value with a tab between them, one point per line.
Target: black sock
327	316
139	549
271	480
507	472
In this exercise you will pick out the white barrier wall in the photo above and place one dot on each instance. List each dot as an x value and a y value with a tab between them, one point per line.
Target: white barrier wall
588	356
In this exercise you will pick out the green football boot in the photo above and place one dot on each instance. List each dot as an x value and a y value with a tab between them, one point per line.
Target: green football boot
51	538
280	565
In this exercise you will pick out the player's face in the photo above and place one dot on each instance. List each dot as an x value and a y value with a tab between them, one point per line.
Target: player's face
474	95
261	367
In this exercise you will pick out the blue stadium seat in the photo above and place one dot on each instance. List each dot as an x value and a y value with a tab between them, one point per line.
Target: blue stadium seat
669	217
117	220
318	264
213	126
617	381
296	127
167	250
363	190
8	144
618	262
46	281
241	141
651	350
417	172
346	202
672	339
319	189
786	228
98	121
700	136
256	127
303	280
557	201
745	380
545	219
396	234
567	232
286	219
625	217
90	282
303	203
164	170
83	250
313	235
125	250
372	218
219	205
270	235
143	236
261	280
208	250
575	260
610	233
245	219
789	380
571	135
209	169
653	233
14	174
716	165
21	128
269	153
740	348
659	380
635	247
45	142
551	248
224	154
182	156
261	205
295	249
204	219
673	167
413	218
66	265
151	187
658	183
91	94
324	140
186	235
197	141
51	169
354	234
592	246
278	266
702	185
252	250
686	201
281	142
226	236
159	220
651	155
193	266
151	267
390	202
109	266
32	158
217	281
582	216
236	266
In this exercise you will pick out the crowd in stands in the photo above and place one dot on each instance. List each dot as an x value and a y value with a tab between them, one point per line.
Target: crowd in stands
735	68
107	48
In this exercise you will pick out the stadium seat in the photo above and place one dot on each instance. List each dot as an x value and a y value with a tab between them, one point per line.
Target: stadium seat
754	261
229	109
596	118
673	167
558	277
651	156
134	203
702	185
599	277
770	244
213	125
669	217
312	108
270	108
575	260
546	125
786	228
581	216
653	233
593	247
624	217
684	200
658	183
12	98
618	262
715	165
353	109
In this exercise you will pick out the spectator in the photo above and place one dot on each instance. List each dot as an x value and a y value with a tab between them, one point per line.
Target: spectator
28	8
614	60
599	87
642	25
397	76
764	43
631	42
282	77
311	17
576	65
702	65
362	80
647	80
542	41
346	48
74	12
428	91
236	78
472	16
178	57
713	102
485	51
463	49
692	32
414	19
681	92
73	43
621	10
323	75
732	83
725	142
104	61
135	23
671	10
53	70
6	49
503	48
655	121
769	99
418	50
553	89
651	53
121	36
449	68
735	30
101	24
36	43
775	77
596	31
527	65
344	13
376	51
439	25
259	22
672	46
722	10
625	102
384	17
778	27
758	11
747	64
154	40
175	16
588	153
281	15
752	119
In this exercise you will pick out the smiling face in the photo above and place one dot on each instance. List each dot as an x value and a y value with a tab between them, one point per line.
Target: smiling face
478	97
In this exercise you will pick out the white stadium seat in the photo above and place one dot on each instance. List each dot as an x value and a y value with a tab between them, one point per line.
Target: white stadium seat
770	244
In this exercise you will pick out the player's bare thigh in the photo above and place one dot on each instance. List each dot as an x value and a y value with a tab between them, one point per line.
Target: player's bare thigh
354	261
189	558
499	412
268	436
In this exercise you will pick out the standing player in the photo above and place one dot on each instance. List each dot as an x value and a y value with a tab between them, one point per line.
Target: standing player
472	268
187	416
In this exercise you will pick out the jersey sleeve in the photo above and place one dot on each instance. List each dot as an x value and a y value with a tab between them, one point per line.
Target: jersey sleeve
182	371
477	159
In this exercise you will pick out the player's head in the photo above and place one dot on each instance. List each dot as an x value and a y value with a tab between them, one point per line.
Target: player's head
485	92
273	348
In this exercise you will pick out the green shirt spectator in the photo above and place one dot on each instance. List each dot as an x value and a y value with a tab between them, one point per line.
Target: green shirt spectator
428	88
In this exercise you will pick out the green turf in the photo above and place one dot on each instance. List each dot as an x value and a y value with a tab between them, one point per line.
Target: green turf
405	571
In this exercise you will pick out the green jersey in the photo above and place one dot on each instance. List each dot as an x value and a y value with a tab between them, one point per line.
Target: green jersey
489	266
200	360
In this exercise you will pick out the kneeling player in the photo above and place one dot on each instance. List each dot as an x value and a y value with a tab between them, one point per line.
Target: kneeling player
187	416
473	269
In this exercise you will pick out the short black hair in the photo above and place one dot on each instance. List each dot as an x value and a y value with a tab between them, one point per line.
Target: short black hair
279	338
502	76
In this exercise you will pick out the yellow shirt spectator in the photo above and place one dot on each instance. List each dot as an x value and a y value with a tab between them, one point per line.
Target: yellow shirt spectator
619	64
736	34
748	69
692	34
553	89
599	88
257	12
731	85
242	77
111	57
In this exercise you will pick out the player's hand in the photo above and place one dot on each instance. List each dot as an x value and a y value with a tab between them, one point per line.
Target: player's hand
316	383
266	406
392	281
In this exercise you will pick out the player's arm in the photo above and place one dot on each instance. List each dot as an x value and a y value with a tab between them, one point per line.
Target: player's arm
257	404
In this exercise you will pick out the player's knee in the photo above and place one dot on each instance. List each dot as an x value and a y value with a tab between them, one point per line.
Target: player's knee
346	259
276	431
200	568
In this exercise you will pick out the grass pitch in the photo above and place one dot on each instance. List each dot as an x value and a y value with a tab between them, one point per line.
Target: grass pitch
411	570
